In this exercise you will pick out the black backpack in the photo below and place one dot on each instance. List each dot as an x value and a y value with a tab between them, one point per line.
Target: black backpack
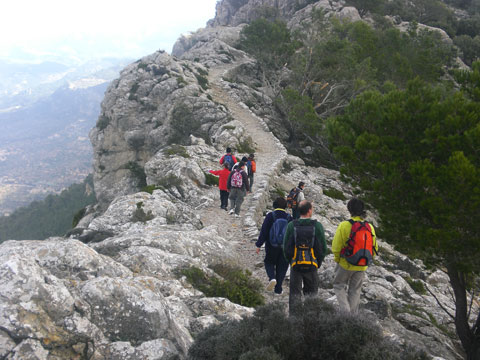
304	259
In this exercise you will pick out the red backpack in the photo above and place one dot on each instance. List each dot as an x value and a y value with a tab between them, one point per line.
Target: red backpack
360	245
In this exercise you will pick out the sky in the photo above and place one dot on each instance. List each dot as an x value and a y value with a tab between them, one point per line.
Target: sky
90	28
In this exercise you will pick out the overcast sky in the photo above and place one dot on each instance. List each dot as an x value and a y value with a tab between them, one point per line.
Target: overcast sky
107	27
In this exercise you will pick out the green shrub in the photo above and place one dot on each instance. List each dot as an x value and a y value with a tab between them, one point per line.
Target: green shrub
78	216
211	180
170	181
202	81
316	331
149	188
235	284
181	81
138	173
133	91
184	123
175	149
228	127
102	122
140	215
142	66
334	194
416	285
245	146
202	72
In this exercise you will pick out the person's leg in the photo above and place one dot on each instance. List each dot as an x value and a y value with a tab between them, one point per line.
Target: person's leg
355	289
224	199
295	296
281	267
340	284
233	198
238	203
310	283
250	177
295	213
269	262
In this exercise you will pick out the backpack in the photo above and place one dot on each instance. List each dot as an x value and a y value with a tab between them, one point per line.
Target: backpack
360	246
304	259
229	160
236	180
277	231
292	198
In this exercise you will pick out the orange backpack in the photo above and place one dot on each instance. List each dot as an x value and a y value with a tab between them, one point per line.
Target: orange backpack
360	245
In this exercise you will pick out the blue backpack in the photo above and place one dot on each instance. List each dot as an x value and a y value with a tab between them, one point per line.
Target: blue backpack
228	159
277	231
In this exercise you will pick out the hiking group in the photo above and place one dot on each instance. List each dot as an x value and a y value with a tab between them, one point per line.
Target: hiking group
235	180
299	242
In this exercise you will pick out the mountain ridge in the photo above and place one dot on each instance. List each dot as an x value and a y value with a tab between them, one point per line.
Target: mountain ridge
84	295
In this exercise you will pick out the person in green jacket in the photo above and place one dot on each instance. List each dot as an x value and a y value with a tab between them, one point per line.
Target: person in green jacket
304	247
349	278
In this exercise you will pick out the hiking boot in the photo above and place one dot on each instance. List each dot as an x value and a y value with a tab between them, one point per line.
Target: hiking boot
237	215
271	285
231	212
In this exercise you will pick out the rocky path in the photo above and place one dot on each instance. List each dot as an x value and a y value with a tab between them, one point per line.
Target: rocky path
269	156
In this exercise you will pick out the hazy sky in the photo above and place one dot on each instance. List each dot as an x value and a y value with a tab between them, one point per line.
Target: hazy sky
98	27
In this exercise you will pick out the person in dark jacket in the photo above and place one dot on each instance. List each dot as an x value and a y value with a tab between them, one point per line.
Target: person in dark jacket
237	185
222	184
304	266
276	265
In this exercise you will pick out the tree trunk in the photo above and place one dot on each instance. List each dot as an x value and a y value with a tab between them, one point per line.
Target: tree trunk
465	334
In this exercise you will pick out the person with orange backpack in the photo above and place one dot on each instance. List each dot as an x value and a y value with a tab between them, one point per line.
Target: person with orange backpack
252	168
295	197
354	247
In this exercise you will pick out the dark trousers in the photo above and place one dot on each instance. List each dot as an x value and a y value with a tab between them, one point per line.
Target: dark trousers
276	266
250	181
301	282
223	199
295	213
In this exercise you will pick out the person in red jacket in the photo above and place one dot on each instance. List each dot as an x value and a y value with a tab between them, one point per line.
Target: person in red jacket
222	184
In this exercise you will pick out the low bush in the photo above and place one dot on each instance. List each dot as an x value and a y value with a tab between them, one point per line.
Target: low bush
175	149
140	215
334	194
416	285
245	146
233	283
211	180
316	331
102	122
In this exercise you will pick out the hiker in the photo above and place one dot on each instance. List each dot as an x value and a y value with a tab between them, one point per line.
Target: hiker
295	197
228	158
251	169
237	185
349	277
305	248
244	160
272	234
222	184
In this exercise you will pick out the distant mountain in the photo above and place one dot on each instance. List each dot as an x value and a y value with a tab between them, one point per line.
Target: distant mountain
24	83
45	147
47	109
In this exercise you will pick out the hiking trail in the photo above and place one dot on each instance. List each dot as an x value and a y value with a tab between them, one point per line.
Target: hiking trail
269	156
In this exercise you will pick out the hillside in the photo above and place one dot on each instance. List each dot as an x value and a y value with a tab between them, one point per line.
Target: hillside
117	287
